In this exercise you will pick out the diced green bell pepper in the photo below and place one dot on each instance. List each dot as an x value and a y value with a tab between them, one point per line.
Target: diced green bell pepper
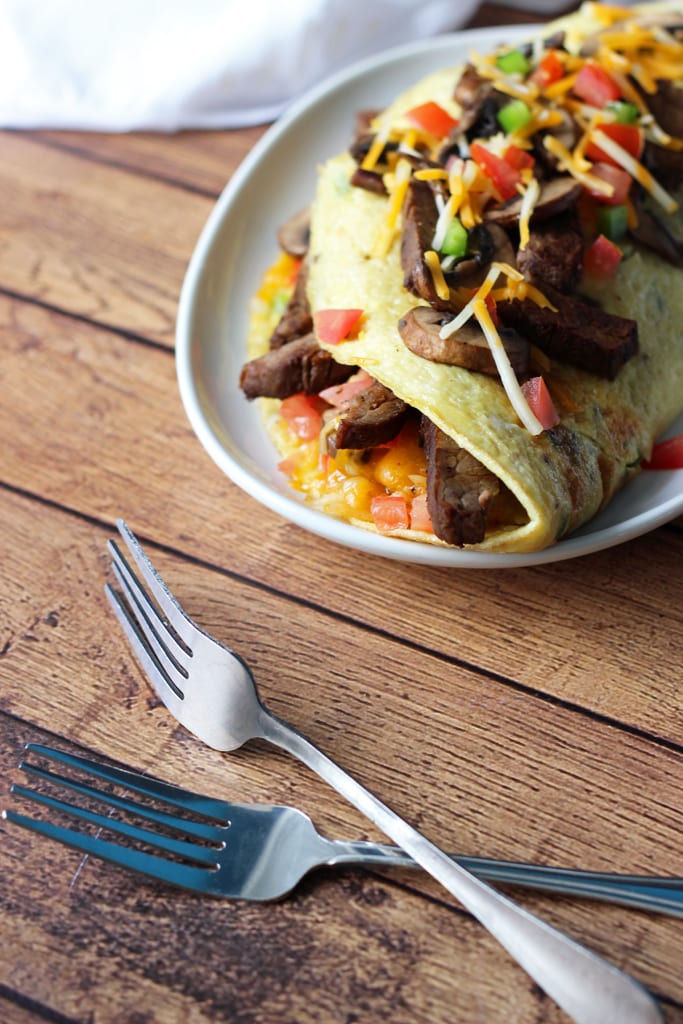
513	63
513	116
455	241
613	222
625	113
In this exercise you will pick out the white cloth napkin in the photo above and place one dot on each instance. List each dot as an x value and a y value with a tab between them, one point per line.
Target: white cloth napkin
122	65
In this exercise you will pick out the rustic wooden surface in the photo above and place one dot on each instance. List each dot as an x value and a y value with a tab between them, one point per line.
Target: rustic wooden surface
531	713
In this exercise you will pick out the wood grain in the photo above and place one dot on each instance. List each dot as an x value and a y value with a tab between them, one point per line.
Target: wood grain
113	245
547	628
532	713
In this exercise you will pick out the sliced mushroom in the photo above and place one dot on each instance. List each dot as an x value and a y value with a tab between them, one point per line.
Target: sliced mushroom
294	235
420	330
557	195
567	132
360	147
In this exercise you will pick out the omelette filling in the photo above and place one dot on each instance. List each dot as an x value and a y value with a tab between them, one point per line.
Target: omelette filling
477	338
384	487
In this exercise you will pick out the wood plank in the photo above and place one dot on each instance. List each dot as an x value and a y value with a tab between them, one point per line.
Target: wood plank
343	944
490	770
112	246
72	393
199	160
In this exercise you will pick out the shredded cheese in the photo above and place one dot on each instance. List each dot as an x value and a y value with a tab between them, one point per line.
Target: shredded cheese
571	164
531	196
439	281
635	168
468	309
445	217
636	56
400	186
507	374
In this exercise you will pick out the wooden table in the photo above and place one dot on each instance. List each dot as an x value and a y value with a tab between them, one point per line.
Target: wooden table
532	713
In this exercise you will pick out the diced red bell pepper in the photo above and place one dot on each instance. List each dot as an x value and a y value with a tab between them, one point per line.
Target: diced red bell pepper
504	177
595	85
535	390
629	136
432	118
302	412
550	69
334	325
602	258
667	454
390	512
619	179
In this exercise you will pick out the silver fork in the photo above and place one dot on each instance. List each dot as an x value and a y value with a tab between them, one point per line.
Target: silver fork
259	851
211	691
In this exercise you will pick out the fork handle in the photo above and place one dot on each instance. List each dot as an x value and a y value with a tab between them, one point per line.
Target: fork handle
588	988
663	895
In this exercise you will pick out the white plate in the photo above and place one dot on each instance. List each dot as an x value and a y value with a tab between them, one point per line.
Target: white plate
238	243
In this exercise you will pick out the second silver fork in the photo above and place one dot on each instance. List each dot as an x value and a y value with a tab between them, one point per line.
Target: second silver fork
211	691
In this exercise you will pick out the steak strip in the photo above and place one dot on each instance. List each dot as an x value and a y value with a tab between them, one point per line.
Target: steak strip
459	488
373	417
296	319
554	253
579	332
419	221
301	365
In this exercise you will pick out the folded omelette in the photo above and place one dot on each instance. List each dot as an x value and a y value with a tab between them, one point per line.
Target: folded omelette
525	203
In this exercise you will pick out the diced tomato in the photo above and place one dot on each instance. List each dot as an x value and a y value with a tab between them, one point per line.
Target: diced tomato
289	465
302	412
504	177
536	392
619	179
667	454
594	85
551	69
390	512
629	136
432	118
602	258
420	518
339	395
518	158
333	325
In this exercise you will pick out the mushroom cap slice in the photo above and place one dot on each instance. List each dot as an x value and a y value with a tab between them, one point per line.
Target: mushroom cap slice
294	235
420	330
557	195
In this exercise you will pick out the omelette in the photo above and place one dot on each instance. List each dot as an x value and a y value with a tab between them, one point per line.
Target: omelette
478	340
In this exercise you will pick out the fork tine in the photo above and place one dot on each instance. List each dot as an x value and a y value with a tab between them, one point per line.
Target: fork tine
168	650
185	875
209	807
167	689
198	829
178	847
178	618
